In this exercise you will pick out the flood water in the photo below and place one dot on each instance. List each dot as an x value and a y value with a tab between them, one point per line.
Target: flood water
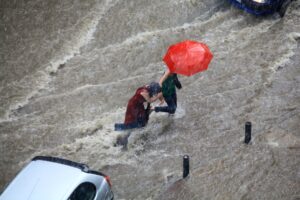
68	68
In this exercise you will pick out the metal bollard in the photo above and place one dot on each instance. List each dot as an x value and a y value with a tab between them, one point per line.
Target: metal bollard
186	166
247	132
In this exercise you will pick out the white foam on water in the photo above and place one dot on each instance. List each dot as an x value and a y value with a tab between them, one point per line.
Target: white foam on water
220	155
97	141
143	37
291	46
84	37
41	79
281	139
180	112
71	48
275	144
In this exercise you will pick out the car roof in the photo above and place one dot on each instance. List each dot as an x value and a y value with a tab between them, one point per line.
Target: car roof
46	178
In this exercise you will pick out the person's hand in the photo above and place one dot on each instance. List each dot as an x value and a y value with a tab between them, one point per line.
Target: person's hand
162	101
152	109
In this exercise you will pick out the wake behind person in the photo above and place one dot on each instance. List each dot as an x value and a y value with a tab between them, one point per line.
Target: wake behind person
138	108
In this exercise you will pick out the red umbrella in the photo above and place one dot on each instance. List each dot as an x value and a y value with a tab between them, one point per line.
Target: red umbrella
188	57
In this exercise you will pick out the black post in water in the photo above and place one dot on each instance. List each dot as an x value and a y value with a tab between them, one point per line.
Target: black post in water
247	132
186	166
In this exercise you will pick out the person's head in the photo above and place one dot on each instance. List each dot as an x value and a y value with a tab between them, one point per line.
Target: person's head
153	89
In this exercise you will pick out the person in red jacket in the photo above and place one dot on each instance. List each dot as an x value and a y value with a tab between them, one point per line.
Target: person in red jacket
138	108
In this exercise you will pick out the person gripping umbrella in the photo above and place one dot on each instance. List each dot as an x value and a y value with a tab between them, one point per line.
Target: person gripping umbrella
186	58
169	82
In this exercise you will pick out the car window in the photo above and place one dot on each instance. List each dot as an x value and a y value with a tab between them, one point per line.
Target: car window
85	191
109	195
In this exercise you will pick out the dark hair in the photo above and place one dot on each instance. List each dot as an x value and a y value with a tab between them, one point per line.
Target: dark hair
154	88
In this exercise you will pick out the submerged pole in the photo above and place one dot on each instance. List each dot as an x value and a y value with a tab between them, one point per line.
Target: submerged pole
186	166
247	132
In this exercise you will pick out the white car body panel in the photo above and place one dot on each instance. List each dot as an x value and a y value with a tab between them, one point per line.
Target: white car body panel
45	180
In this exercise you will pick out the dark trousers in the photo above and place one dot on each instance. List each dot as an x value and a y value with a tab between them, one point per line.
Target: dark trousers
172	105
141	122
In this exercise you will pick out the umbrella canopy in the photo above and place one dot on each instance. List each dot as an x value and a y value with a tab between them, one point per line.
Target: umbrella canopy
188	57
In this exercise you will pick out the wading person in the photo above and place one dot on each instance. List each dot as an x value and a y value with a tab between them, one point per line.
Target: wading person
169	82
138	108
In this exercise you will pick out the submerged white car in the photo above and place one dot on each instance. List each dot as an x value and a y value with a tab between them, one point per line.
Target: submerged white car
50	178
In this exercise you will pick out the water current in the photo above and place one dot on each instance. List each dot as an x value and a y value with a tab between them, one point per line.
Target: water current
68	68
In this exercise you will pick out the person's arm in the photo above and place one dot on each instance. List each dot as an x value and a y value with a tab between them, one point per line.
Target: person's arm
164	77
177	82
148	98
161	98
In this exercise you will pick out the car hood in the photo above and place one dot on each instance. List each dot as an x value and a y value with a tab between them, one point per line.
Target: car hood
43	180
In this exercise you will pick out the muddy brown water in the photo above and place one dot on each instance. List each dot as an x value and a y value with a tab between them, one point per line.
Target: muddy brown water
68	69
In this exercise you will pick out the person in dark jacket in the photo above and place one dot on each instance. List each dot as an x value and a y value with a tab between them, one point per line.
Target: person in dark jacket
138	108
169	82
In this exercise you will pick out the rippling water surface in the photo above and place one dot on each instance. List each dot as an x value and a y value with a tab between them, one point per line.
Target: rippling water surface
68	69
